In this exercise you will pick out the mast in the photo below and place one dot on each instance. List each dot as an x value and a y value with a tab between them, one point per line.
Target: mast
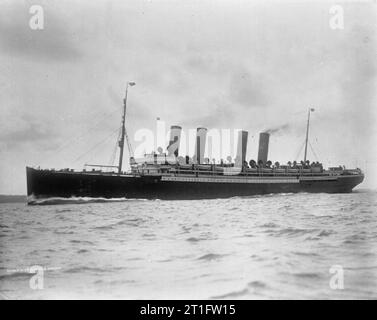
123	130
307	133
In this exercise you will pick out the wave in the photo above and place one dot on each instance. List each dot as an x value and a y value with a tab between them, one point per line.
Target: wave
134	222
82	251
355	238
290	231
14	275
269	225
325	233
82	242
364	190
265	195
63	210
85	269
233	294
256	284
76	200
307	275
211	256
64	232
306	254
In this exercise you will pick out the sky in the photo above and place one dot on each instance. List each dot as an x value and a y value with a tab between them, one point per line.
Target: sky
252	65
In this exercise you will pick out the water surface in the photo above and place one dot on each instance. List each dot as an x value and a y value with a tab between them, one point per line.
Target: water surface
260	247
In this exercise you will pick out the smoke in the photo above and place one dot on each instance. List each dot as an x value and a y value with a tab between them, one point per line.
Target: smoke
280	129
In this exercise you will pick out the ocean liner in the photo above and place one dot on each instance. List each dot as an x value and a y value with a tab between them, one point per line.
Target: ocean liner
170	176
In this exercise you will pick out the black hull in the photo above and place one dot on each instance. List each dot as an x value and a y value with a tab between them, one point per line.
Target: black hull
46	184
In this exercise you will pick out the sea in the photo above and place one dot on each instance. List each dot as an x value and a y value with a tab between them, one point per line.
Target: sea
284	246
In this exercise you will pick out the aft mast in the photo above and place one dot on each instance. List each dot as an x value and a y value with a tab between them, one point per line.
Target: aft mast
123	131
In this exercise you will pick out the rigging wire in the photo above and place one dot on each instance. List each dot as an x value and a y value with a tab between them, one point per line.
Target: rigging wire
113	155
315	155
130	150
76	138
300	150
95	146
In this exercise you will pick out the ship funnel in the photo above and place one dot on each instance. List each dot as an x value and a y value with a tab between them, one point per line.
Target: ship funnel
201	136
264	138
175	139
241	148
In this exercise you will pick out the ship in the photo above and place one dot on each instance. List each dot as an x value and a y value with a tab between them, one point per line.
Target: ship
169	176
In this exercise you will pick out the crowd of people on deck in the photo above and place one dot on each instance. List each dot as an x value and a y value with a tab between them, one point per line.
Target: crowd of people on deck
290	165
260	164
251	164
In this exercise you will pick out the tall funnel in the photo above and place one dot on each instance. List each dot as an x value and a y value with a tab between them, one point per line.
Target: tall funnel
241	148
201	136
264	138
174	141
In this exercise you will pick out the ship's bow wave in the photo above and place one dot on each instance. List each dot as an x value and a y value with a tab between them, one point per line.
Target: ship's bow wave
31	200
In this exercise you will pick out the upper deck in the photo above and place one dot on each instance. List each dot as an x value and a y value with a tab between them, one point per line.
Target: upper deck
195	170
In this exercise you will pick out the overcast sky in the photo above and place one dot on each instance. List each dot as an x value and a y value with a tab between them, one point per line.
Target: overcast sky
253	65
